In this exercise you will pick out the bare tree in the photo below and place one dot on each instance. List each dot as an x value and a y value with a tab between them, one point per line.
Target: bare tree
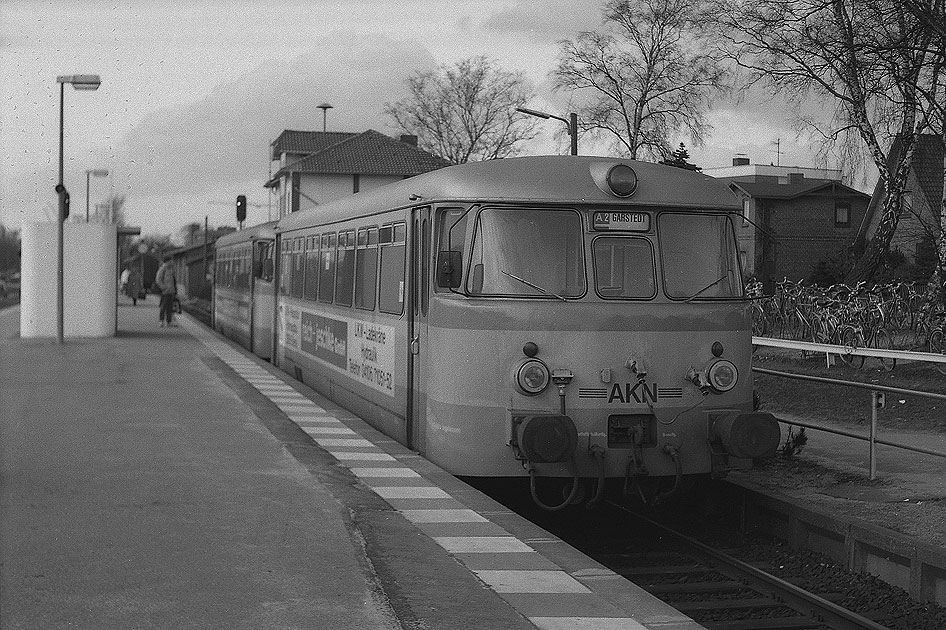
466	111
646	78
849	55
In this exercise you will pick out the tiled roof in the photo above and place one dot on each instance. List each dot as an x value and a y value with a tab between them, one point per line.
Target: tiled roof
367	153
773	190
292	141
928	166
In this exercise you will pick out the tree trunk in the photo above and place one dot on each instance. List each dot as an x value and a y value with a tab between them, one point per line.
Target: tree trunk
879	243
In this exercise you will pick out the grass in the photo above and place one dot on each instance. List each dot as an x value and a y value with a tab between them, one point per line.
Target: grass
850	406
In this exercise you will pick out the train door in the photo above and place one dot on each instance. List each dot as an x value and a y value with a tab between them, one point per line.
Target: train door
419	298
262	303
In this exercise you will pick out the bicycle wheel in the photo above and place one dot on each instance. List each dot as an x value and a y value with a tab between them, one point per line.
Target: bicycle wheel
758	322
938	346
852	338
882	341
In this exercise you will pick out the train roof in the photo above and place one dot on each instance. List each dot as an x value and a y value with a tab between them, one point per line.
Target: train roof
538	179
246	235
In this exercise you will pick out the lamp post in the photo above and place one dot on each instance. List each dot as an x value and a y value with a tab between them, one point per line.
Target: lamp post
324	107
98	172
571	122
79	82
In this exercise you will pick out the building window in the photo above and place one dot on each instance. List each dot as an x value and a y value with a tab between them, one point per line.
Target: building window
746	210
842	215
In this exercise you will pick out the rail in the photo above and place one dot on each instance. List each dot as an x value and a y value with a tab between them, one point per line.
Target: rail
876	391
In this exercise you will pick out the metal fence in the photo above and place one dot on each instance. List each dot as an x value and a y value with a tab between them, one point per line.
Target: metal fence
876	391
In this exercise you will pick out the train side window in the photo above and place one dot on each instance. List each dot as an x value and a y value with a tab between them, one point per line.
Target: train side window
392	239
425	266
311	289
624	268
265	249
298	270
285	258
327	269
345	268
452	241
366	268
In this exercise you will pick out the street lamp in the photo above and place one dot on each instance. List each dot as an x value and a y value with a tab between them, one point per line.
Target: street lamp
571	122
79	82
98	172
324	107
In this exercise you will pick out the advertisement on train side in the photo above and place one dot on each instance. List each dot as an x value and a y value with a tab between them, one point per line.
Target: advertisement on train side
363	350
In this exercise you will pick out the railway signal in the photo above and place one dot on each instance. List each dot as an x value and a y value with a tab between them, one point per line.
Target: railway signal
241	209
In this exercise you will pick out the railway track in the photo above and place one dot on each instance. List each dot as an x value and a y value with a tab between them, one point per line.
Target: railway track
720	591
707	580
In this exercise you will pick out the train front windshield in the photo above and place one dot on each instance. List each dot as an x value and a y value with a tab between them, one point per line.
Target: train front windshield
540	253
528	252
699	256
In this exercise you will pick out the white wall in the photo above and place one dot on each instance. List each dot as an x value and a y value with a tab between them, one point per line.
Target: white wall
89	280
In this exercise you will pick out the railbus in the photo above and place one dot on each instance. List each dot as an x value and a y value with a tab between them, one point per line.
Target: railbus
244	289
579	320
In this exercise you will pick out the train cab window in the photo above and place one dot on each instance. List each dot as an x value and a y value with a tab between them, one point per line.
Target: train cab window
698	255
452	240
392	241
310	290
345	268
327	269
535	253
366	268
298	268
624	268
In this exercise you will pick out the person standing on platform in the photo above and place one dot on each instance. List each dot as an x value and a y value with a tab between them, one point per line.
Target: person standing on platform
167	282
123	280
133	286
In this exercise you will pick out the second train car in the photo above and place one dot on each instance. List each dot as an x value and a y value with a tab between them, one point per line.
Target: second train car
576	318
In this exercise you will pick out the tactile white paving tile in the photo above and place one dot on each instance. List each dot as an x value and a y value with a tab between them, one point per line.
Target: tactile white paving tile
349	442
383	472
365	457
342	430
443	516
411	492
511	581
586	623
482	544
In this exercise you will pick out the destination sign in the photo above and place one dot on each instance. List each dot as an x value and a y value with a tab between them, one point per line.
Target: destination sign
626	221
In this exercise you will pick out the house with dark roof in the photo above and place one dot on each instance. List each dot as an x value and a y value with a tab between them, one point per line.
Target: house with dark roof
792	217
314	167
922	202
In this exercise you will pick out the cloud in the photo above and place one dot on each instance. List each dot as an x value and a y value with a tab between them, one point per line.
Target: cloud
224	137
545	20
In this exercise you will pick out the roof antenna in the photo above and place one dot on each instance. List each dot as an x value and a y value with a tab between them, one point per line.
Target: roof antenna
324	107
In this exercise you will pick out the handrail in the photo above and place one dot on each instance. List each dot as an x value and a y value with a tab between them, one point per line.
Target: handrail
827	348
872	437
855	384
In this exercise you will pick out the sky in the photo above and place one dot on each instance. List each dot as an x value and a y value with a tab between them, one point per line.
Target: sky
194	91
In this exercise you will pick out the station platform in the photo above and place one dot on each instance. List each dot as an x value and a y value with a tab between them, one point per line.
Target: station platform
165	478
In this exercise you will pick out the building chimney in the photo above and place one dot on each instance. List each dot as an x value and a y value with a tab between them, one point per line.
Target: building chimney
409	139
740	161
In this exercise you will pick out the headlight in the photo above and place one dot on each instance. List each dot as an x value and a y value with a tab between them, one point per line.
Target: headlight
532	376
722	376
